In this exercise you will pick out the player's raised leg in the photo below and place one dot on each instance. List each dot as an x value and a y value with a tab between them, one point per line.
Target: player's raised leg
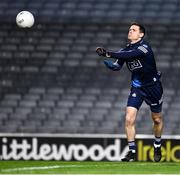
157	129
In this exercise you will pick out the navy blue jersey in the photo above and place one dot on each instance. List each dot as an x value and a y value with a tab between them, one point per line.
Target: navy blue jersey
139	59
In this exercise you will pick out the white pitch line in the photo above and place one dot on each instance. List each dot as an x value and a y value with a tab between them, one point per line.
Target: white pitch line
51	167
42	168
67	166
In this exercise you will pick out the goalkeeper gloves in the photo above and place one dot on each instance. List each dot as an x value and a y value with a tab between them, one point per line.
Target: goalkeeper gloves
102	52
111	65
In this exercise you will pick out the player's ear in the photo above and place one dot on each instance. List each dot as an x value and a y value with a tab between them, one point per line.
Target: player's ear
141	35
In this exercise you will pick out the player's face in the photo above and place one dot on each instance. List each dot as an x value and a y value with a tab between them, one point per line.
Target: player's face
134	34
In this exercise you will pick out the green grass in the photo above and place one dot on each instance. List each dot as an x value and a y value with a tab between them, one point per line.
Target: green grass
61	167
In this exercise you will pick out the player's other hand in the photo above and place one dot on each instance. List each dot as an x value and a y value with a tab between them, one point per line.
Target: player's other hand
101	51
111	65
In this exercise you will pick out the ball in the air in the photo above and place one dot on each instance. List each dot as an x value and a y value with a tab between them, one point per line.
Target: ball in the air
25	19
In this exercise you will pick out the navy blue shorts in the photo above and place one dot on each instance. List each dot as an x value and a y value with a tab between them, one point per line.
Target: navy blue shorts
152	95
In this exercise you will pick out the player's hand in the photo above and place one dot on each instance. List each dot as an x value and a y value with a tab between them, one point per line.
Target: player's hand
101	51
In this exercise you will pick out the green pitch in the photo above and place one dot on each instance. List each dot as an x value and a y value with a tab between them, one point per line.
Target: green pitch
61	167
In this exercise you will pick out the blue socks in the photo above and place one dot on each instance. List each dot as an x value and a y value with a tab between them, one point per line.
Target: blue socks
157	141
132	146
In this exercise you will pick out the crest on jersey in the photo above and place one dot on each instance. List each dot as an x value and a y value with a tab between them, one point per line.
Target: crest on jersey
136	64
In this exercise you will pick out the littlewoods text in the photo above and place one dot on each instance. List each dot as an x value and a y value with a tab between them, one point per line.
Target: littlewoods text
32	150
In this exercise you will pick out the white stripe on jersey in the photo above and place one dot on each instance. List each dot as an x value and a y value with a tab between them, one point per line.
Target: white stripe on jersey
143	49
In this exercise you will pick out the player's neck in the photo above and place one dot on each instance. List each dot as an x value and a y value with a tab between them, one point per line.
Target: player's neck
135	41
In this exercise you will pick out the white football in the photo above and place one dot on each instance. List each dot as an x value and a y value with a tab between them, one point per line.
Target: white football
25	19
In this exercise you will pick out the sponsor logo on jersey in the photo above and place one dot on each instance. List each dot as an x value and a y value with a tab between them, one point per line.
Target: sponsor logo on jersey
136	64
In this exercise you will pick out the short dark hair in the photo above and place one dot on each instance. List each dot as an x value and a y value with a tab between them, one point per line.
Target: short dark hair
141	27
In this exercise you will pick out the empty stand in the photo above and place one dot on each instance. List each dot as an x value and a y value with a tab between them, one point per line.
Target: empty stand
51	79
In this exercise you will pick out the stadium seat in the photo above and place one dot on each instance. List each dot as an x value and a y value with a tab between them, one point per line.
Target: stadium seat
52	80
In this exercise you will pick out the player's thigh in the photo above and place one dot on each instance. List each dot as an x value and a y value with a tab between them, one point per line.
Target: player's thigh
135	98
134	102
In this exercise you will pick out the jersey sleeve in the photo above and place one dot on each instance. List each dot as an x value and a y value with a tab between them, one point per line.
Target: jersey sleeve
139	52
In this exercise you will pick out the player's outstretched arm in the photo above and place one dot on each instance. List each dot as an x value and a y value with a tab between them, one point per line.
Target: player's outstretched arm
128	55
125	55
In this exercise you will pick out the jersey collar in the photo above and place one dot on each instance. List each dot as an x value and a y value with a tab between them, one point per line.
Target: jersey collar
137	43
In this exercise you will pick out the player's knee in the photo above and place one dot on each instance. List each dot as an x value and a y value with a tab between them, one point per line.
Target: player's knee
129	121
157	121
